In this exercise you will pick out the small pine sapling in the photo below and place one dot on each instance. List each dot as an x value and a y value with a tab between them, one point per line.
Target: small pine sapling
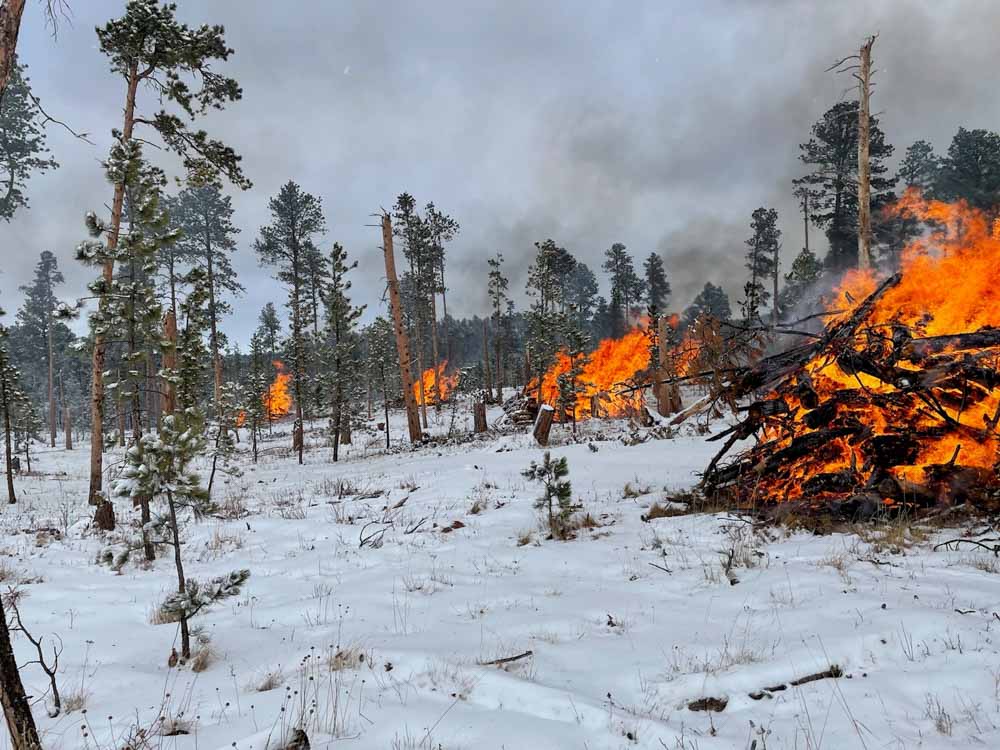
158	467
230	408
557	497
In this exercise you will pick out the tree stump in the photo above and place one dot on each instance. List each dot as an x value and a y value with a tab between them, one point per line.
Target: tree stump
595	406
543	424
104	516
479	417
345	432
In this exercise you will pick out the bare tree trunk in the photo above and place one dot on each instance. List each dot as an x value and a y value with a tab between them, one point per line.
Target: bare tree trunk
5	400
402	341
420	368
434	354
181	580
487	377
444	312
497	343
67	417
10	25
864	165
479	417
16	709
774	290
97	372
52	389
169	362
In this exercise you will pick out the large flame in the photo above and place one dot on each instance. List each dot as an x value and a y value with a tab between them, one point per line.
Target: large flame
445	383
278	400
613	363
948	287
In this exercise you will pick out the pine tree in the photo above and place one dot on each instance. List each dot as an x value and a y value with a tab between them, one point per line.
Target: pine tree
147	46
656	285
22	143
806	271
269	329
545	316
159	467
204	218
418	283
571	387
341	356
496	289
832	153
383	364
296	217
441	229
38	318
255	392
557	496
920	168
762	262
10	397
582	295
971	170
27	424
711	301
129	312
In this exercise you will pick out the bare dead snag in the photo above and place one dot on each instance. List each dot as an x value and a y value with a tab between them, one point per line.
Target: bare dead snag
402	340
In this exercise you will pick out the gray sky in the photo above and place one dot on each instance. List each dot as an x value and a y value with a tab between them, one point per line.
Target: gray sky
659	124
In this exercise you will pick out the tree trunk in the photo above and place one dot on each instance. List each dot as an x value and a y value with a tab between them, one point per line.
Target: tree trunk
444	312
10	25
499	373
864	165
181	581
66	418
5	399
97	373
169	362
543	424
479	417
52	388
487	376
16	709
774	290
402	341
435	355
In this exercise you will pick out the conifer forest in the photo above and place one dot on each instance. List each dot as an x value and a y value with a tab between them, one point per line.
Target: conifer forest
499	375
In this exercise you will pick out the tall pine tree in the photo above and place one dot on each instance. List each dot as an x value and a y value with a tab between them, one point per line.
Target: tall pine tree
296	218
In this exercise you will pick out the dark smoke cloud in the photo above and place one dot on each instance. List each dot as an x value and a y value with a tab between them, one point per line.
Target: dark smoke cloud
660	125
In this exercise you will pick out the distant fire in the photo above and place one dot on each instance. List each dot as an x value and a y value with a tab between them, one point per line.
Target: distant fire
445	383
278	401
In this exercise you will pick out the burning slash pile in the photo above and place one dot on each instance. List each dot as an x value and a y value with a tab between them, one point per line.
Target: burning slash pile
897	401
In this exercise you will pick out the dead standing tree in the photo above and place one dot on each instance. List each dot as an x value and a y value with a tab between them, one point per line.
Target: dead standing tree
860	66
402	340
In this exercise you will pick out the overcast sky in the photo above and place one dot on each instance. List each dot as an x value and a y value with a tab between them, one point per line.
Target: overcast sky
658	124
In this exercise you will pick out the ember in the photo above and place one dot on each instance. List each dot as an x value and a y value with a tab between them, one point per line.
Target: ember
898	400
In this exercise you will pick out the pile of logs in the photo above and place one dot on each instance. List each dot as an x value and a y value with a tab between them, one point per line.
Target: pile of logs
876	442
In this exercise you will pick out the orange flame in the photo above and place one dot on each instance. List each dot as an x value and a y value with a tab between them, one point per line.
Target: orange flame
949	286
446	384
278	400
613	363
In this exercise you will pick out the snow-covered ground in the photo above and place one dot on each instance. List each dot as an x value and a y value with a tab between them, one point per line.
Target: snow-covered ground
384	645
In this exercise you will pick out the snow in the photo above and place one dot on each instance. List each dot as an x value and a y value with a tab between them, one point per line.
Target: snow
619	647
